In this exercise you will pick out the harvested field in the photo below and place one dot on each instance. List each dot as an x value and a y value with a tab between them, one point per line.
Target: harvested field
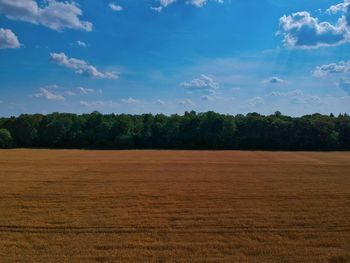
174	206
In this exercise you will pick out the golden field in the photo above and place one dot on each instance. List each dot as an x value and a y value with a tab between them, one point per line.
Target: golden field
174	206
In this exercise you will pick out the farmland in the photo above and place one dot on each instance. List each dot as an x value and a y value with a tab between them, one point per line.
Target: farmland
174	206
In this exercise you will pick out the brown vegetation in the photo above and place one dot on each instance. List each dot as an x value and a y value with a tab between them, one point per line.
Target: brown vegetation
174	206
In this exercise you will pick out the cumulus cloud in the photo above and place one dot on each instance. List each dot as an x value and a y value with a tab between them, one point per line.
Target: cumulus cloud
48	94
274	80
52	14
203	83
81	67
302	30
333	68
115	7
8	39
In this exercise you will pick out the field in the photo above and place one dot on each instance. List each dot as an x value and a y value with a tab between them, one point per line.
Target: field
174	206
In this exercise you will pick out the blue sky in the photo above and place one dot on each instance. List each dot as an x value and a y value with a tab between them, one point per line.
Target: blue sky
169	56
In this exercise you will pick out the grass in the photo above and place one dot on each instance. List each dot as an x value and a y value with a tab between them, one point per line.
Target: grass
174	206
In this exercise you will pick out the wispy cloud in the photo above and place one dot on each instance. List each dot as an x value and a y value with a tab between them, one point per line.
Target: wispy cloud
197	3
130	101
48	94
81	67
115	7
186	102
292	93
81	43
98	104
83	91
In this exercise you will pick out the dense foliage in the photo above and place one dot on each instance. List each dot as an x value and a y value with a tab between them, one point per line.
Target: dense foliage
5	138
208	130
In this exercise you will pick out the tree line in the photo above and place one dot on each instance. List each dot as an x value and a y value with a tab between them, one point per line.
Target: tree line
192	130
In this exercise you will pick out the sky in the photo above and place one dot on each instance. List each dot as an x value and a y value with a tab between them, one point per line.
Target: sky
171	56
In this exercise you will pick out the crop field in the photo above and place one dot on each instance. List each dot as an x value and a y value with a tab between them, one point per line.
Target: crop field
174	206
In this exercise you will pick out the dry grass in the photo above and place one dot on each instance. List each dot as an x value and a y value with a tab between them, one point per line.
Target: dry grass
174	206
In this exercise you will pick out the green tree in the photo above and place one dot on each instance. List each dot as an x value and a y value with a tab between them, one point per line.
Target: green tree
192	130
5	138
24	129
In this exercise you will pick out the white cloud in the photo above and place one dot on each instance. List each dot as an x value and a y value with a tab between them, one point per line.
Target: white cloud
166	2
196	3
130	101
296	97
341	69
115	7
274	80
203	83
48	94
308	100
157	9
88	91
342	7
52	14
301	30
81	43
186	102
83	91
98	104
81	67
293	93
8	39
201	3
333	68
162	4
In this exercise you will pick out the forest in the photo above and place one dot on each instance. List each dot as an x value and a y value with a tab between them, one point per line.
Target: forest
209	130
